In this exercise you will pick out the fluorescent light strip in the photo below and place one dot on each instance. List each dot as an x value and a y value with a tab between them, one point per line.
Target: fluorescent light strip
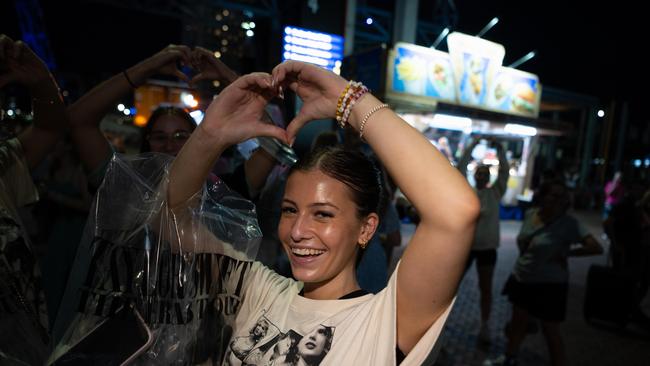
517	129
308	43
311	52
304	58
322	37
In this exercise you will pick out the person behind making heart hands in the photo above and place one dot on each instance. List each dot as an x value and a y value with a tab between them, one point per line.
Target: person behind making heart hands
329	213
24	339
167	129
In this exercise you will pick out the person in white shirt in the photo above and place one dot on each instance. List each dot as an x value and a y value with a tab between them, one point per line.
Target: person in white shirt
329	213
487	236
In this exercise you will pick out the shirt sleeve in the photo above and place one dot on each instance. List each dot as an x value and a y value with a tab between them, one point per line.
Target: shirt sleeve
428	346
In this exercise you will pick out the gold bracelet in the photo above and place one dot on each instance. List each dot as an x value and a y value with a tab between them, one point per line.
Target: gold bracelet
339	105
367	116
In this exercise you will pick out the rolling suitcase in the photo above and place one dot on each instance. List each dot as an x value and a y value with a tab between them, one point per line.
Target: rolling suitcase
609	295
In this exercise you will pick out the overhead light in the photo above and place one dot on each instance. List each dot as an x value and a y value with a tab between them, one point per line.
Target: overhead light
601	113
369	20
489	26
188	100
517	129
526	57
120	107
450	122
197	115
438	120
441	36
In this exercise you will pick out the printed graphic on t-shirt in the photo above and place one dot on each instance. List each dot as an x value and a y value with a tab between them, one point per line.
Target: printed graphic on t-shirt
20	280
267	345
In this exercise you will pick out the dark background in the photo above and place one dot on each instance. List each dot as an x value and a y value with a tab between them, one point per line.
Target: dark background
585	47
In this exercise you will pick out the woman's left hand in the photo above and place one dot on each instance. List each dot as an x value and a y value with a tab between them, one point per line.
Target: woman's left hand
236	115
318	88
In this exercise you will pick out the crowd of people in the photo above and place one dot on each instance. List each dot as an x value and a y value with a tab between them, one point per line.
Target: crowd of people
320	291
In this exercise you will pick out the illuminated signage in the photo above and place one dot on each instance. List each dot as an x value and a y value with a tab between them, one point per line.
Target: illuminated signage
470	74
322	49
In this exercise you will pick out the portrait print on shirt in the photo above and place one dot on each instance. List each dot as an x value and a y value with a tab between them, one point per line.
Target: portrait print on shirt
266	345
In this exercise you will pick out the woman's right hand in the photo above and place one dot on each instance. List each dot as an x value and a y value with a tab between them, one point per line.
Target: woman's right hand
318	88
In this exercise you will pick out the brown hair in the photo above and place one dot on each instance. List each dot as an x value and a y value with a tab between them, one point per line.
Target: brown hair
155	116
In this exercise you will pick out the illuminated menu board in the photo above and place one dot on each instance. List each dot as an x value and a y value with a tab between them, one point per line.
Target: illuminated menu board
322	49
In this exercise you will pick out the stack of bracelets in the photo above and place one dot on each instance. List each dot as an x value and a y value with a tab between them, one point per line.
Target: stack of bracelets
350	95
352	92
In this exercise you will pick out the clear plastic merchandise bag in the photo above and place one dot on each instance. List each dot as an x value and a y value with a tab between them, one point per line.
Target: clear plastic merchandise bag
174	268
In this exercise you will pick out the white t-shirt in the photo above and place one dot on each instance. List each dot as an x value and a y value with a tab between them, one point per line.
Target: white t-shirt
487	233
277	326
545	259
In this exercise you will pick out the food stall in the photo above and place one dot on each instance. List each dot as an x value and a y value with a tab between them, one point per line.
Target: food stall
454	96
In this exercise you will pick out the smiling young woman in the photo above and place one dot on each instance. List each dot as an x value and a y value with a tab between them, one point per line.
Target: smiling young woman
329	213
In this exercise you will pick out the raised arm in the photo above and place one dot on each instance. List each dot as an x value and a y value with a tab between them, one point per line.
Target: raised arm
18	64
504	169
433	262
258	167
588	246
466	157
87	112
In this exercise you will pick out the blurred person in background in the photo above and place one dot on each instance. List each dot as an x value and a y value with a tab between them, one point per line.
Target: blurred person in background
538	285
24	338
614	193
487	232
628	229
167	130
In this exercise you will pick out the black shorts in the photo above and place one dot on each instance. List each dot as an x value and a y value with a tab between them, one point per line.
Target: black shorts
484	258
545	301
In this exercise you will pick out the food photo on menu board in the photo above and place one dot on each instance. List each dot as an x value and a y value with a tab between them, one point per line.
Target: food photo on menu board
514	91
475	62
422	71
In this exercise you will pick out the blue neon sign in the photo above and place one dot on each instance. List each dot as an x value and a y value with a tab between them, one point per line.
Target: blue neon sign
322	49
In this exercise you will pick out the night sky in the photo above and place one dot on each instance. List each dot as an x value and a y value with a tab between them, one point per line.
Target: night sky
584	47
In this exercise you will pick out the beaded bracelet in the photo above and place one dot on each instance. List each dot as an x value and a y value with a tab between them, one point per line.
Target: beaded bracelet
367	116
339	106
352	93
